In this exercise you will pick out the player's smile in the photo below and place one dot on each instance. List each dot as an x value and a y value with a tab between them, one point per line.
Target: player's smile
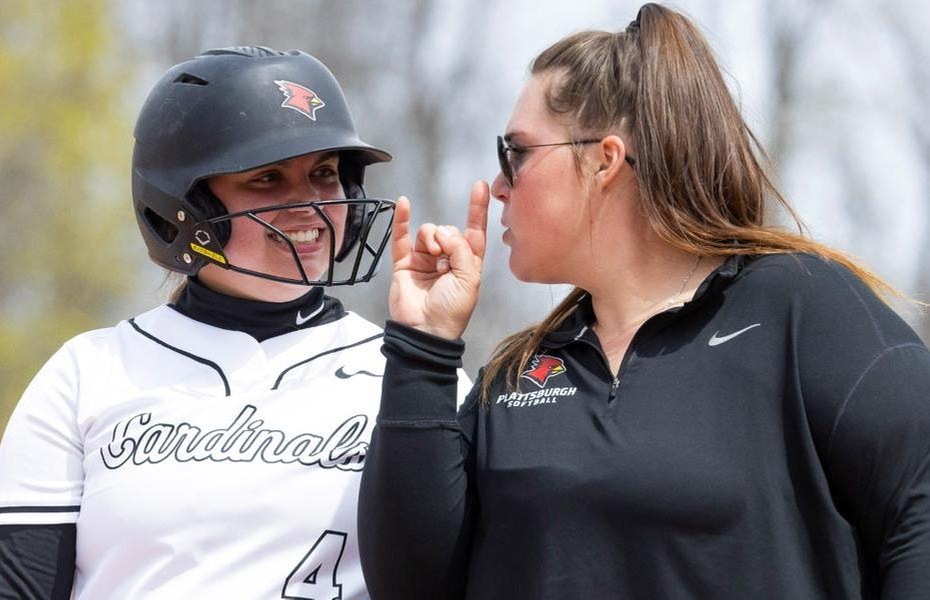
253	245
306	239
302	238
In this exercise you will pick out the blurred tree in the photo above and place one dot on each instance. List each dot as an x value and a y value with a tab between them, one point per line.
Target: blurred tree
909	31
849	83
65	225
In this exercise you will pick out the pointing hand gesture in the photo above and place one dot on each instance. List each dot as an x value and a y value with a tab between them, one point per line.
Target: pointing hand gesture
436	277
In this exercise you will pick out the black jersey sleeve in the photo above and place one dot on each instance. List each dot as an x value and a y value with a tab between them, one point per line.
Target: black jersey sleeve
37	561
416	506
866	380
879	464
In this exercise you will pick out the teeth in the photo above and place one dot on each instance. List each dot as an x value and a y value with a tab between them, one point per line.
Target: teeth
302	237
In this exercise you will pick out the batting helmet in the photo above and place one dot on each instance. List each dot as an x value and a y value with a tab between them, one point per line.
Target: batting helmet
234	109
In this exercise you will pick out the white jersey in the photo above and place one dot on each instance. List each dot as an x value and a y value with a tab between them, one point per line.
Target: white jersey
197	462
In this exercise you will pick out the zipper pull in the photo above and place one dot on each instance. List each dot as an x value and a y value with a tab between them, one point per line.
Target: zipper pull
613	388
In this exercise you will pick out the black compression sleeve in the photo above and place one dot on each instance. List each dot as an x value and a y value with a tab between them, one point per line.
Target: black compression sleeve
414	507
37	561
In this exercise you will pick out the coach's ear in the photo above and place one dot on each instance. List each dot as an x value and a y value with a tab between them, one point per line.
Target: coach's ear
610	157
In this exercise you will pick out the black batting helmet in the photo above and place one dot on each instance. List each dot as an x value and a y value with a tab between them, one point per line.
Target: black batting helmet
235	109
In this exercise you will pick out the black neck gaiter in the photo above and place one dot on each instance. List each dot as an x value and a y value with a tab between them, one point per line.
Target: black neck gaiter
261	320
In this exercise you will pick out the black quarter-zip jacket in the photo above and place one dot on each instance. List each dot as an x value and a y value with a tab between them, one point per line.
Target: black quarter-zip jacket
769	439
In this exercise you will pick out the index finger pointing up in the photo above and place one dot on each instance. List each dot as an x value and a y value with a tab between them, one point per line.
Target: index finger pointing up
476	227
400	231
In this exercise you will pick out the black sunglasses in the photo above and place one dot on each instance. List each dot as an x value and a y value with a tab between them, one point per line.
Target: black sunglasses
505	152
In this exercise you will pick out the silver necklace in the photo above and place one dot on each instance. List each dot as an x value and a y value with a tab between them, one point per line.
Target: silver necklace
668	305
681	288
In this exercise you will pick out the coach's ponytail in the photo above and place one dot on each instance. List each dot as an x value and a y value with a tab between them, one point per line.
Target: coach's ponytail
700	175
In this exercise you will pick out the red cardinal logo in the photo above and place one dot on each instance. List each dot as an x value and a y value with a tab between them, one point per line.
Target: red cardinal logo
303	100
544	367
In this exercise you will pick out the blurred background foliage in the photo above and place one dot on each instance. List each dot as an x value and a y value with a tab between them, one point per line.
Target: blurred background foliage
65	227
835	89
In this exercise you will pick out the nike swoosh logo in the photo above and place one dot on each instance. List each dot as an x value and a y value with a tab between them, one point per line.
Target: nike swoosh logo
341	373
716	341
300	320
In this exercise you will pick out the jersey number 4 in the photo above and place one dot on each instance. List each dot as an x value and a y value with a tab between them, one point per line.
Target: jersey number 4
314	578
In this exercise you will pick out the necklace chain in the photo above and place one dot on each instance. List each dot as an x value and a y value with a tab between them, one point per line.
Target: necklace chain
669	303
684	283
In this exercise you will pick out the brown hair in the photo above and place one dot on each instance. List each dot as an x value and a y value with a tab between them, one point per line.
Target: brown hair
176	282
702	186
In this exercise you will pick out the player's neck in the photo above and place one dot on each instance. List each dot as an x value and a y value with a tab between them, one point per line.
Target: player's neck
261	320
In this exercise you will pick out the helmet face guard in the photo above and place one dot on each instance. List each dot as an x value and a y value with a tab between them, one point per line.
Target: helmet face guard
231	110
357	262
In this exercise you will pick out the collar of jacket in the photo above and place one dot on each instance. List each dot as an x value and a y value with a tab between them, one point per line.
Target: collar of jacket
578	323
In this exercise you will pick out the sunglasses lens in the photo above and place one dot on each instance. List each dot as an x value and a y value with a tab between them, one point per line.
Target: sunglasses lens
503	161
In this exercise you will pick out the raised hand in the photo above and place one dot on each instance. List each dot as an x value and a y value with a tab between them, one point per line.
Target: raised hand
436	277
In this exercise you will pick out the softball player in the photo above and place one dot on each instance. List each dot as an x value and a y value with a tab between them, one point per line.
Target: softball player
212	447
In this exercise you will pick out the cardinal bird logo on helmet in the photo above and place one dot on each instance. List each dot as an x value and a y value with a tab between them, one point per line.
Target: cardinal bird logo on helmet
543	367
297	97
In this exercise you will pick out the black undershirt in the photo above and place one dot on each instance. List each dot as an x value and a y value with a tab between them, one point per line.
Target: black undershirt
261	320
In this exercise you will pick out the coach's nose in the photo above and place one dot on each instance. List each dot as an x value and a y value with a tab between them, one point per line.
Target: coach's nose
500	189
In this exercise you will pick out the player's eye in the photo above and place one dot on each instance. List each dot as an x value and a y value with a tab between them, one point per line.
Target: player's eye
266	177
325	172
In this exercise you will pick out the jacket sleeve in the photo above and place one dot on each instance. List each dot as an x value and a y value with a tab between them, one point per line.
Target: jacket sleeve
416	505
878	464
867	377
41	485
